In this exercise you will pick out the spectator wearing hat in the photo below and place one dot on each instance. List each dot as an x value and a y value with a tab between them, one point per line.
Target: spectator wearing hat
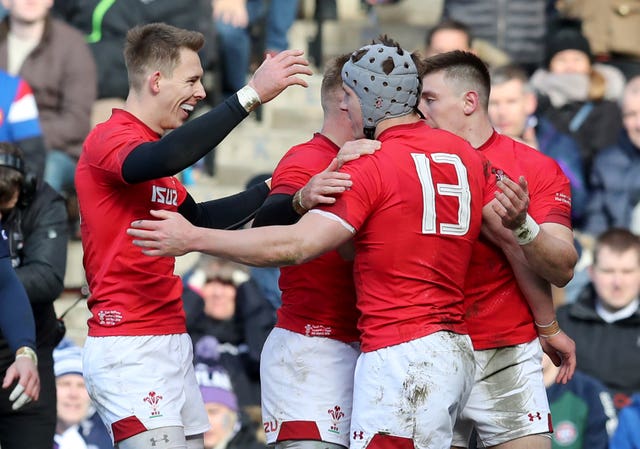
577	95
230	428
78	425
220	302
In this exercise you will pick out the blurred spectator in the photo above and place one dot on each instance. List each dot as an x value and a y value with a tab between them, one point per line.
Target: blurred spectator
512	106
612	29
605	320
517	27
627	435
615	183
19	121
220	303
230	427
78	425
233	20
35	221
106	34
578	96
56	62
582	410
449	35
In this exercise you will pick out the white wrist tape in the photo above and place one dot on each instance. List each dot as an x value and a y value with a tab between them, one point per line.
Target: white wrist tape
527	231
248	98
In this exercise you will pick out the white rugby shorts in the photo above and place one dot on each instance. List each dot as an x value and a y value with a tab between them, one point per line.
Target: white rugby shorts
408	395
508	399
307	387
139	383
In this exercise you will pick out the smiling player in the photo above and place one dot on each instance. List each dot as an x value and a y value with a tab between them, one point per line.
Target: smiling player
137	334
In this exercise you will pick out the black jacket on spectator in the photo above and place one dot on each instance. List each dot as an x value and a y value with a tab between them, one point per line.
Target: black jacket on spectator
599	129
240	339
38	238
607	351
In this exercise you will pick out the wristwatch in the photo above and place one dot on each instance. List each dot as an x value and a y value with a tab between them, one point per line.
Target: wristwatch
26	351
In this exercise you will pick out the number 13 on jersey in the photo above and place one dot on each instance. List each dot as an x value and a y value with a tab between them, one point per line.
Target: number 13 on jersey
429	188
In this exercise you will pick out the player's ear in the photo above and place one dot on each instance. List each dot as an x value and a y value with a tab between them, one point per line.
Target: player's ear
471	102
154	81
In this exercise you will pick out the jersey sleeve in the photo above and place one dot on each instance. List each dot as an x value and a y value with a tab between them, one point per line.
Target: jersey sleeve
550	190
354	205
295	169
109	162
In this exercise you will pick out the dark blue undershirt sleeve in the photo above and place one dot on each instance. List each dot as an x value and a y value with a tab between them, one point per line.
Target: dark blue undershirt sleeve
276	210
16	317
230	212
183	146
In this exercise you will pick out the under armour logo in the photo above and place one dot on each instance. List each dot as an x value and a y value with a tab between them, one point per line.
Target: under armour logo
358	435
532	416
164	438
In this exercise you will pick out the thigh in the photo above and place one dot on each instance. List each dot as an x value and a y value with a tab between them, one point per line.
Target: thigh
411	392
508	400
143	383
307	387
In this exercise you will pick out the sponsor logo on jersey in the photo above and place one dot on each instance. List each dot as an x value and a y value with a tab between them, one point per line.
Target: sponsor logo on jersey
109	317
561	197
317	330
164	195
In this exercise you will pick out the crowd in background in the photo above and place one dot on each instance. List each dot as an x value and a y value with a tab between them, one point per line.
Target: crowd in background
565	80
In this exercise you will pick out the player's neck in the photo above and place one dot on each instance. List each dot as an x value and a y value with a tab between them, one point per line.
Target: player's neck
388	123
135	106
477	131
336	131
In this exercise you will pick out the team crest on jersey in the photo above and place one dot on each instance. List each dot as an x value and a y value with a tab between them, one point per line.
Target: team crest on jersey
164	195
565	433
336	414
500	174
153	399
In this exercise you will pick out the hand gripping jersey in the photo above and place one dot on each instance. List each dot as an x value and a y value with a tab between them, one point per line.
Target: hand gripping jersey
131	294
318	297
497	311
415	208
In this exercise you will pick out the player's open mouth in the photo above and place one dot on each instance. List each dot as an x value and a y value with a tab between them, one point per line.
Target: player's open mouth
187	107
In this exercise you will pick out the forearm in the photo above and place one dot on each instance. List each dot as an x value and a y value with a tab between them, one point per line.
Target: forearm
536	290
552	258
183	146
225	213
547	253
261	247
